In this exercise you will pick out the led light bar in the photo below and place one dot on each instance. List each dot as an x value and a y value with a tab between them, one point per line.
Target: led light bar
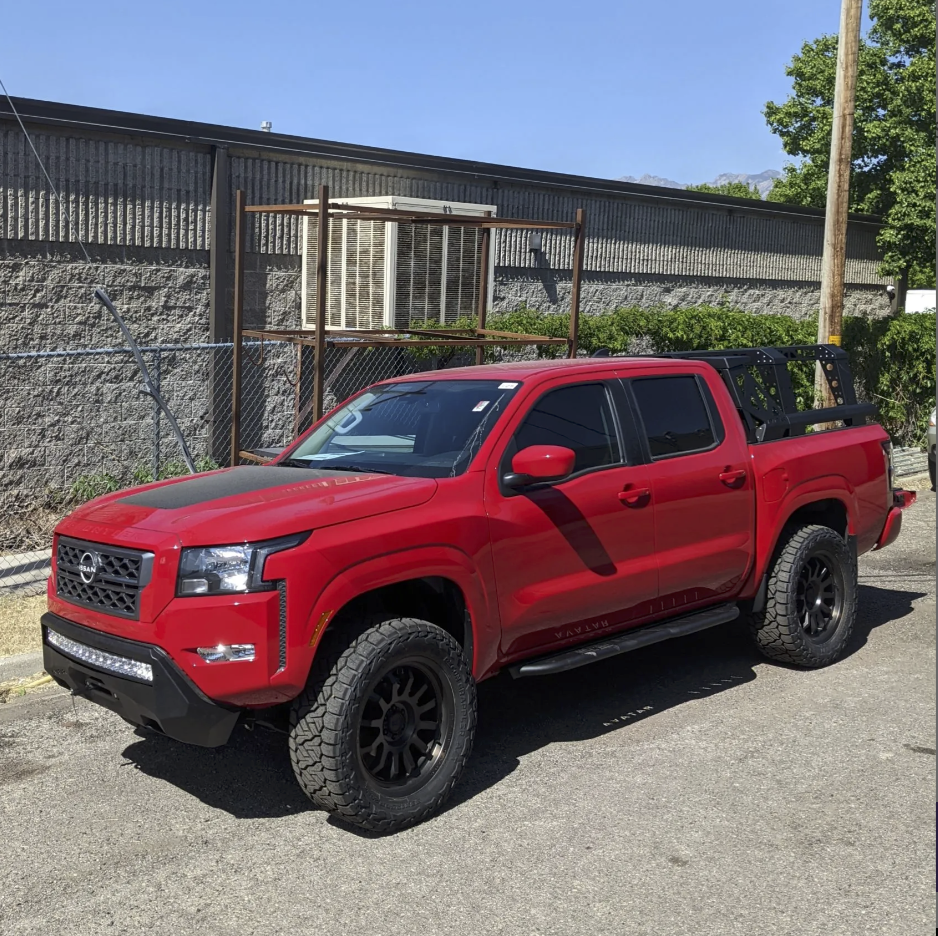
229	653
123	666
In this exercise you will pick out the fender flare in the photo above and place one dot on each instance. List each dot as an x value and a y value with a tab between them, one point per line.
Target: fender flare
826	487
433	561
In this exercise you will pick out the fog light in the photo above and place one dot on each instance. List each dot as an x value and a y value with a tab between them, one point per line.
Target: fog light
122	666
227	652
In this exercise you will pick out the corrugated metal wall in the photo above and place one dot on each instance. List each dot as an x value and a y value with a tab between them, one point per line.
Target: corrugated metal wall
625	235
144	194
116	193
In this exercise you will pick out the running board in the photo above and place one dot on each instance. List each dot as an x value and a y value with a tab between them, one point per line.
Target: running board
623	643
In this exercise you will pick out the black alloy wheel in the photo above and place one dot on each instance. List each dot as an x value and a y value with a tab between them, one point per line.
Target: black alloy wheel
406	725
819	601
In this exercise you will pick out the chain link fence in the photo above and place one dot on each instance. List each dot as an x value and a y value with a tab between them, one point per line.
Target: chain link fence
277	383
76	424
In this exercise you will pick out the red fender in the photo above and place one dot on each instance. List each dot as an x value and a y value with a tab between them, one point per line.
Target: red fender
429	561
769	526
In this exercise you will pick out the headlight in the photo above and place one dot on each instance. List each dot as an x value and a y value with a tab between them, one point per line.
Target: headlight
931	419
229	570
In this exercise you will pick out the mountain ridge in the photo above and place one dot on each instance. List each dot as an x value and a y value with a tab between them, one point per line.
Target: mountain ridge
762	181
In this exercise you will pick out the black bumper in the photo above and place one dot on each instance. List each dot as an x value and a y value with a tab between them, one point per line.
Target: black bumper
171	703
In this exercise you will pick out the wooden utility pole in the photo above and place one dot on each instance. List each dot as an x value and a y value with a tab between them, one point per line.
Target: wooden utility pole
833	263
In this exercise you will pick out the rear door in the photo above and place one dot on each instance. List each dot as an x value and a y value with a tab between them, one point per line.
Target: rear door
701	483
575	558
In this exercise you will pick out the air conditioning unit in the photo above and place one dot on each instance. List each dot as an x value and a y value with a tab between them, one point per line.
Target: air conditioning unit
385	274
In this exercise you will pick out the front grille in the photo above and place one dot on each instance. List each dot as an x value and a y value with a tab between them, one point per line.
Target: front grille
117	576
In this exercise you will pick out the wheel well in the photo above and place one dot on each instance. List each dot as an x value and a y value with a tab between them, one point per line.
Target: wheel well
830	513
435	599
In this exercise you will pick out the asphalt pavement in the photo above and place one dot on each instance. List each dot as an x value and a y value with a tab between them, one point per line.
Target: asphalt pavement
691	787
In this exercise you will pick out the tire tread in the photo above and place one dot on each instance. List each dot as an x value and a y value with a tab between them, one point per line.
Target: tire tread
775	629
320	748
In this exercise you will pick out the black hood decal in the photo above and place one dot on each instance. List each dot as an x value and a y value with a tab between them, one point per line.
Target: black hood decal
209	487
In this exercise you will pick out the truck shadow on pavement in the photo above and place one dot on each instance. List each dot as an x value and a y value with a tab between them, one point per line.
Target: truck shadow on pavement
251	777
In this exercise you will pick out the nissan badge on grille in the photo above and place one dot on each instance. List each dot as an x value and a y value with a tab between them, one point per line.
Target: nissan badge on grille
88	567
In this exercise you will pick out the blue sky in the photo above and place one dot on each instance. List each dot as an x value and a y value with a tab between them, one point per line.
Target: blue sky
669	87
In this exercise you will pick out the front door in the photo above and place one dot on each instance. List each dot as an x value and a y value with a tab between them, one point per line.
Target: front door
574	558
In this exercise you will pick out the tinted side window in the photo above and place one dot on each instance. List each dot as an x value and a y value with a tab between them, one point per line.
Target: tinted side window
674	414
577	417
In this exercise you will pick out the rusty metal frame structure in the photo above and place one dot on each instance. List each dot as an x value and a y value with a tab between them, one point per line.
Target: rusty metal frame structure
321	336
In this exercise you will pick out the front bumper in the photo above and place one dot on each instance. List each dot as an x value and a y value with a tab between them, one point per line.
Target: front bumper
171	703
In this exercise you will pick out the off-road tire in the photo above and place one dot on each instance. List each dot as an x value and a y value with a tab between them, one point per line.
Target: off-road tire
351	669
779	629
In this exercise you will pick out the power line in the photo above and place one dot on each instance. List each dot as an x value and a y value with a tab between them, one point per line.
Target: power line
55	191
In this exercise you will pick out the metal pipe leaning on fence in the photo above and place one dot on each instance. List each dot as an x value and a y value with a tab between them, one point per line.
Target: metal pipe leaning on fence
149	388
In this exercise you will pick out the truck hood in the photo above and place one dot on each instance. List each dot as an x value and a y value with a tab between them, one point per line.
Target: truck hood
253	503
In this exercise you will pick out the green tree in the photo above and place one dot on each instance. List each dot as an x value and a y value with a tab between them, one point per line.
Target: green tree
737	189
893	172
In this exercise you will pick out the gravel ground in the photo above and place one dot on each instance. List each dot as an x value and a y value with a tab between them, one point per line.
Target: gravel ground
690	787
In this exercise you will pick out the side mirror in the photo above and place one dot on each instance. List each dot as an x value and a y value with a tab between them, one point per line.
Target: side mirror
539	463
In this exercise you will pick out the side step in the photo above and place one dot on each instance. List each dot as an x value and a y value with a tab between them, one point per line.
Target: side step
622	643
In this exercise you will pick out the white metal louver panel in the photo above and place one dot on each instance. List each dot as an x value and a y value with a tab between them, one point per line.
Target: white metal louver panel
308	273
335	277
349	275
364	275
420	265
388	274
463	263
308	278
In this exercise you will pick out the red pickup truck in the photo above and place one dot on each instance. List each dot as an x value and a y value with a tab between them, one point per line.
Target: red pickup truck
436	529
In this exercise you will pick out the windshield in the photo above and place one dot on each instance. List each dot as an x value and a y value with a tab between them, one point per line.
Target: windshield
427	428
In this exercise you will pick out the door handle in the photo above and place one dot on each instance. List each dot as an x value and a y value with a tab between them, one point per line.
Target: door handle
635	497
733	478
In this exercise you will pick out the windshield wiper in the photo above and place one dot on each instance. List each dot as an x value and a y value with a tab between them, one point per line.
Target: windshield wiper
303	463
356	468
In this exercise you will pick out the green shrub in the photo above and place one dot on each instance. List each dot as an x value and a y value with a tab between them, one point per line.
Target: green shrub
172	469
893	359
88	486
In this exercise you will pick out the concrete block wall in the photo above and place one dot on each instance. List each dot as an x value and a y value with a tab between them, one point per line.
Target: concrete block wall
601	292
70	415
67	416
47	296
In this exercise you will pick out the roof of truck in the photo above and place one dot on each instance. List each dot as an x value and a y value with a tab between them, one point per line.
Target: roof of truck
523	370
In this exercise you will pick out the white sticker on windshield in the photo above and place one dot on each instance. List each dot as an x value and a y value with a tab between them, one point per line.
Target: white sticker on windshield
480	406
509	385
